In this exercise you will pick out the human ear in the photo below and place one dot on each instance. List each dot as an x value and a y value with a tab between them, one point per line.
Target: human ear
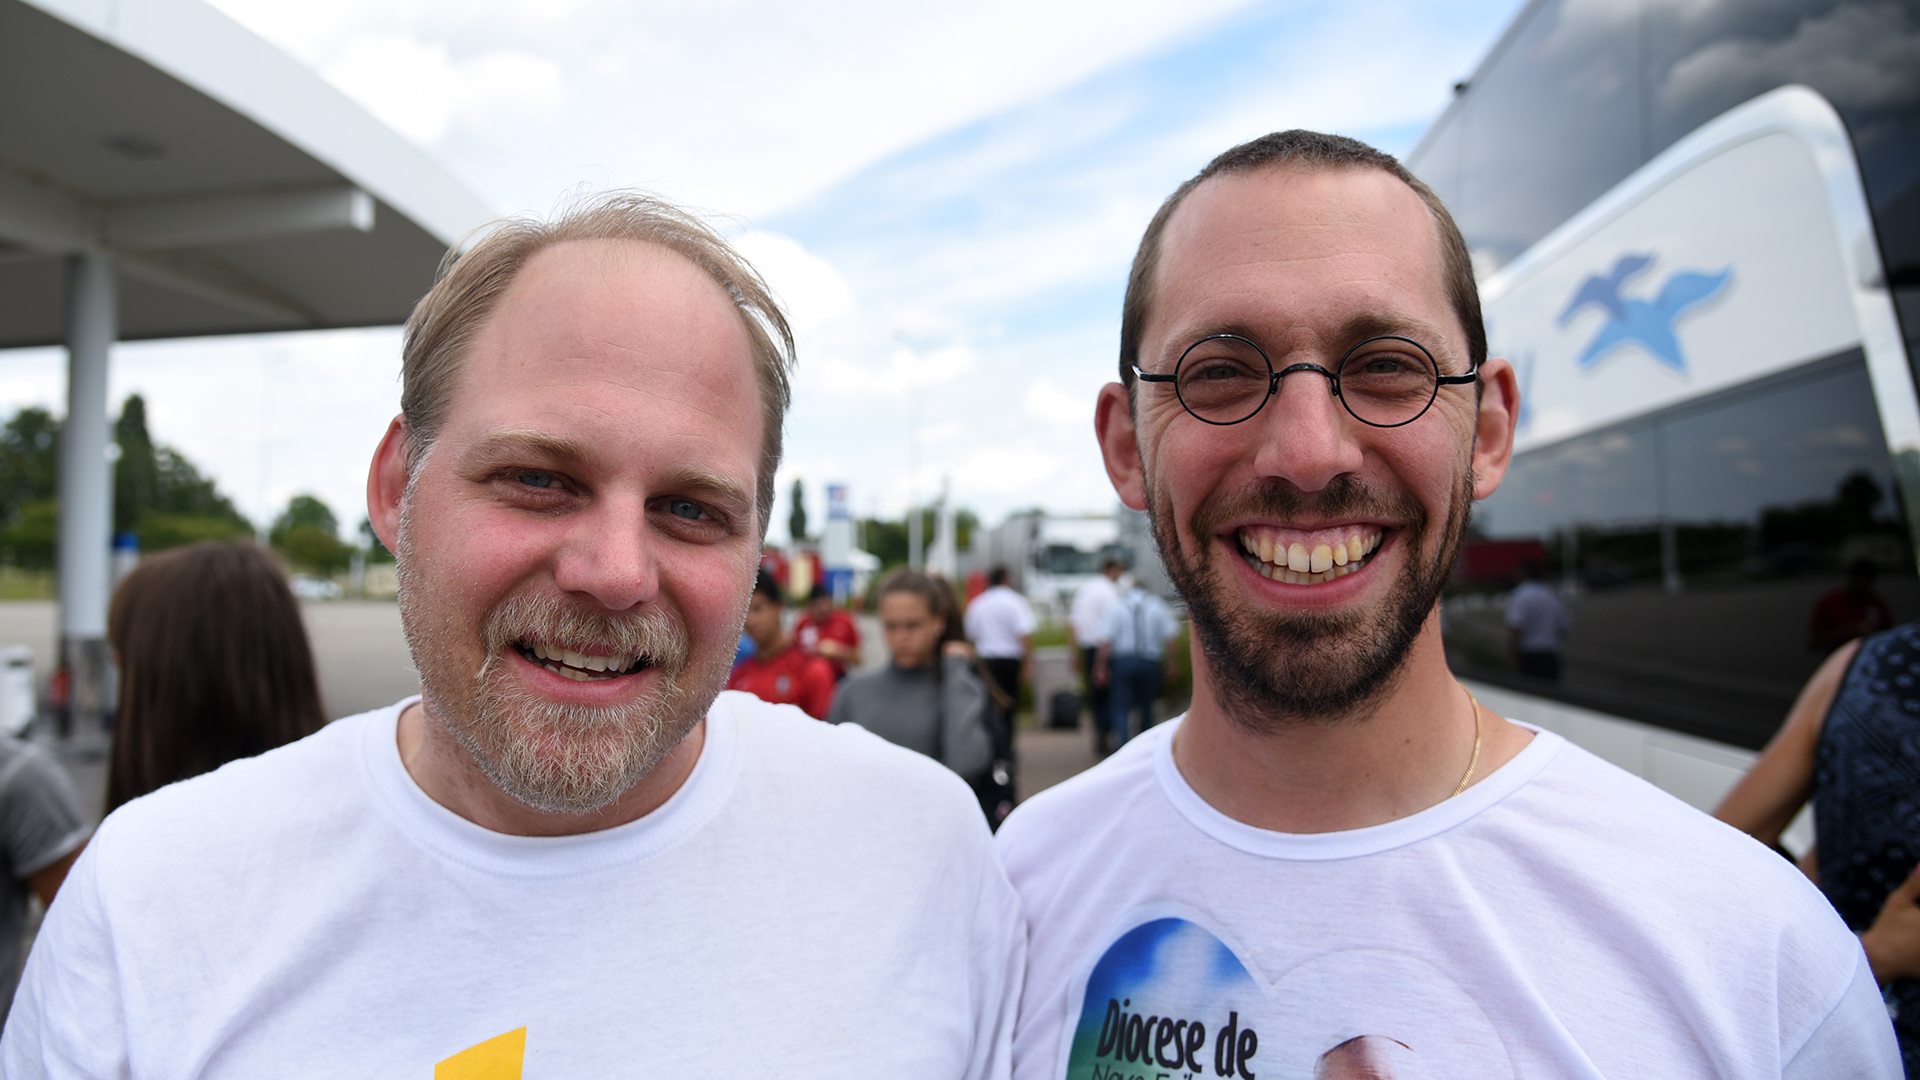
1494	426
1119	445
387	483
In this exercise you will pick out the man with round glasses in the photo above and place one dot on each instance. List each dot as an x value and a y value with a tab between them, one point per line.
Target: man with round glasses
1338	840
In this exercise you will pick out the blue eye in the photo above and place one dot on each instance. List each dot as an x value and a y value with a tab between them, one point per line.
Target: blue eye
686	508
535	479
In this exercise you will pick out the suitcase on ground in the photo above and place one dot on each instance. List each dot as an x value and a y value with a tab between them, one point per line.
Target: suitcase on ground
1064	710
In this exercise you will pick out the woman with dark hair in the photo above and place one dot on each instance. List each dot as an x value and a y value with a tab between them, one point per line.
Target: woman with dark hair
214	666
928	699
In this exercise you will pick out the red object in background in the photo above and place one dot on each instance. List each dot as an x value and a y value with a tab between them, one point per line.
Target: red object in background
1498	560
60	688
976	584
791	676
839	627
774	561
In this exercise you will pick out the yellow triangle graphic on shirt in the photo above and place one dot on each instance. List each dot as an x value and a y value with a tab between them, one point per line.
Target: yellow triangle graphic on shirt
498	1058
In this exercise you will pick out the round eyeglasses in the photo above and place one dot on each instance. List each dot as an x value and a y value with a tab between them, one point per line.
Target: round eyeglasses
1384	381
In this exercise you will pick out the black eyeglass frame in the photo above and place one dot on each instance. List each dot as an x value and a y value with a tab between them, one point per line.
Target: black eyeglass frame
1333	378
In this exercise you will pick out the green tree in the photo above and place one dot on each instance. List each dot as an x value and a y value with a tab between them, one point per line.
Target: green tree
887	540
376	551
29	480
159	495
797	518
308	534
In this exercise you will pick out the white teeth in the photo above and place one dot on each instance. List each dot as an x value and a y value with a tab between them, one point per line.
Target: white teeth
595	663
1340	553
1322	558
1297	557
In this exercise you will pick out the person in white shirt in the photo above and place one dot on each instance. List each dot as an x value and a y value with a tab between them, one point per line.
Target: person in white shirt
1338	862
1000	624
572	855
1086	623
1537	624
1132	658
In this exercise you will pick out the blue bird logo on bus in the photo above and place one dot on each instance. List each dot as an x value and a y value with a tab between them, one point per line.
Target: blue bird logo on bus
1648	323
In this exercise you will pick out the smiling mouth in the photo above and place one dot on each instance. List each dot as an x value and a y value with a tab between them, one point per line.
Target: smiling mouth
1314	557
579	666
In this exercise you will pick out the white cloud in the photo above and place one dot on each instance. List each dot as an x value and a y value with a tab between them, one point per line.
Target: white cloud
422	91
1049	402
808	287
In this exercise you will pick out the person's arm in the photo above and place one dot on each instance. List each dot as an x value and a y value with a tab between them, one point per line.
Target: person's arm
46	881
966	745
1765	800
1893	941
816	697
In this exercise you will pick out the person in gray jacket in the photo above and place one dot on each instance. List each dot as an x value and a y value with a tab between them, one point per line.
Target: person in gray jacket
929	699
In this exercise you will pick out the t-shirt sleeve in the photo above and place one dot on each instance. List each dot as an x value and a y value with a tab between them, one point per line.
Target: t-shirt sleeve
1854	1042
999	966
40	819
1023	618
67	1015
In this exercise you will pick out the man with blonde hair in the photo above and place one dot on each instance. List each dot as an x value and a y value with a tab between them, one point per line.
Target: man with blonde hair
572	855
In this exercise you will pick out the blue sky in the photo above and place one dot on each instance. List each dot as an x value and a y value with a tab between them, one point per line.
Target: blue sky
947	197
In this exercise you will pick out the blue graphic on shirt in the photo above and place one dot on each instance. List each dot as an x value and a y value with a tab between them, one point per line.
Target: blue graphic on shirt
1631	320
1170	1000
1165	1000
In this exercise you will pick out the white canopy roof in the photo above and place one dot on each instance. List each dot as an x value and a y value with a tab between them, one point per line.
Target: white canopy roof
234	190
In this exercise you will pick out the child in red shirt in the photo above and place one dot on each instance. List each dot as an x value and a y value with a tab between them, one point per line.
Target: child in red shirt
778	671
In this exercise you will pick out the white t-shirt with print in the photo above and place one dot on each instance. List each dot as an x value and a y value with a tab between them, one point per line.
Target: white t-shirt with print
813	902
1561	918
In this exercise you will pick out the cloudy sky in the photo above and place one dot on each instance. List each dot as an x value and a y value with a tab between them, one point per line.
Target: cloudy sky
945	196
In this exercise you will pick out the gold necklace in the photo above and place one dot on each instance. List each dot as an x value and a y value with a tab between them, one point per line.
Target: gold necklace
1474	761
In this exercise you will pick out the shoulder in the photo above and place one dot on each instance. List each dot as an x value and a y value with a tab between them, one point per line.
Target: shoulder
28	770
787	753
1034	835
1651	845
253	803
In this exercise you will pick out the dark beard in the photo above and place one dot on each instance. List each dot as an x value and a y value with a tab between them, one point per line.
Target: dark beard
1273	670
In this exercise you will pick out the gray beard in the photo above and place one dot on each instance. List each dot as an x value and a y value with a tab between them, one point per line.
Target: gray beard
553	756
1275	670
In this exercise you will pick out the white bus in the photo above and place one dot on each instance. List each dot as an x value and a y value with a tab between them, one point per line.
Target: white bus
1697	228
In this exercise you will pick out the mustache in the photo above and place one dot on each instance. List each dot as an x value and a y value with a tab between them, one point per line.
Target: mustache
651	633
1344	496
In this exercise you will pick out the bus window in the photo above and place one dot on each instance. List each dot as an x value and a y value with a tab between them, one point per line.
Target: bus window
1692	546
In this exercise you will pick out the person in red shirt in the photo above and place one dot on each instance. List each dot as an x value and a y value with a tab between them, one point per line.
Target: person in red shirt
778	672
828	632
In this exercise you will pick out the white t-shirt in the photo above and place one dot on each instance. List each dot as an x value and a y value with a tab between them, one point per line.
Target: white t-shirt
1534	609
996	621
813	902
1560	918
1090	606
